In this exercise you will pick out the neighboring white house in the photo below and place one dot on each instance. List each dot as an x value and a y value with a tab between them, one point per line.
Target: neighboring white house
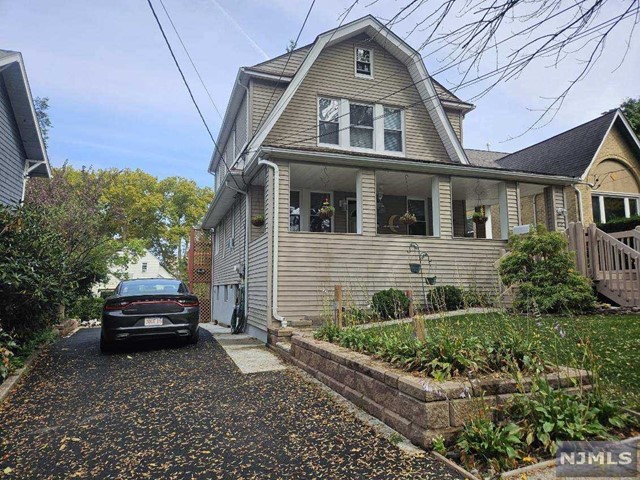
147	266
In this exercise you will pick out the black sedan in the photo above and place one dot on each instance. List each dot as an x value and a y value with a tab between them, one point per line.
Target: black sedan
149	308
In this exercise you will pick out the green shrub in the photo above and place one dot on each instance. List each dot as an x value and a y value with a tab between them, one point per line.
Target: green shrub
620	224
483	443
542	268
33	273
391	303
446	298
86	308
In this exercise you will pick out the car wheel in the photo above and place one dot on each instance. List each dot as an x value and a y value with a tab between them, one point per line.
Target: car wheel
193	339
105	347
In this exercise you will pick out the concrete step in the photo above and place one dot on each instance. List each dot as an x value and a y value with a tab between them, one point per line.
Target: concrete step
299	323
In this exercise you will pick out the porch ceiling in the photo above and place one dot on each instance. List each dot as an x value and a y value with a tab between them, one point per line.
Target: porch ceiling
322	178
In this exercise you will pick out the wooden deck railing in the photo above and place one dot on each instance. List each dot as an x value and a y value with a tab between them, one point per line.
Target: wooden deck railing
630	238
613	265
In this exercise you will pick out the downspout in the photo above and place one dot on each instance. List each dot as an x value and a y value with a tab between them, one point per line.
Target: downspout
247	222
535	210
276	201
579	198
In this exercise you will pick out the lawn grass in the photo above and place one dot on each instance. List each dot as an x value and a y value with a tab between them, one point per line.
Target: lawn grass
614	341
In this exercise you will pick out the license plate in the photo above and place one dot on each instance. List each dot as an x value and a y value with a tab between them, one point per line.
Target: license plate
152	321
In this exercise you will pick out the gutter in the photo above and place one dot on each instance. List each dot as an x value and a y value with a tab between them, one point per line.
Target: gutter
395	163
276	203
579	197
247	220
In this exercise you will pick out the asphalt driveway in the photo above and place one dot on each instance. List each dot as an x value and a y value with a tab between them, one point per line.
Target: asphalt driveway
184	412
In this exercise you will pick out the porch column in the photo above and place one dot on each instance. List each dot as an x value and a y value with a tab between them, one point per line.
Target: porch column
509	208
441	197
555	207
367	202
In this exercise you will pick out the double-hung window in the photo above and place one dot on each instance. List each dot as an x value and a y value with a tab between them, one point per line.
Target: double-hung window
328	118
364	62
361	128
393	129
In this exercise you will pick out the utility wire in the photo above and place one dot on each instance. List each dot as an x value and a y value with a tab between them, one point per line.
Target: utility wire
286	64
441	70
191	60
186	84
472	81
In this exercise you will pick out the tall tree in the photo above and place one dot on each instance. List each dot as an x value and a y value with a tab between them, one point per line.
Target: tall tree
41	106
631	109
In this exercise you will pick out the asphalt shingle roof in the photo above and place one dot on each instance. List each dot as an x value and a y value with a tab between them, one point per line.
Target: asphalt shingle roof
484	158
568	153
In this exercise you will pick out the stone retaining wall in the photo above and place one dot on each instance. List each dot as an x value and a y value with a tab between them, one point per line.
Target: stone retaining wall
417	407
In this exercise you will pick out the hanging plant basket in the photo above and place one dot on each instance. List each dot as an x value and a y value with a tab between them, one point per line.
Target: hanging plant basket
257	220
326	211
430	280
479	217
415	267
408	219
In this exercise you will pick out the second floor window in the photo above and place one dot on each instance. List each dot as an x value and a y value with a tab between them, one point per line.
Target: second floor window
360	126
364	63
145	266
361	131
328	121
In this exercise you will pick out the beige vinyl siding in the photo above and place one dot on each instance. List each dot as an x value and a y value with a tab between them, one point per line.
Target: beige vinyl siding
446	213
312	263
261	106
332	75
256	193
257	282
513	206
226	259
456	121
242	126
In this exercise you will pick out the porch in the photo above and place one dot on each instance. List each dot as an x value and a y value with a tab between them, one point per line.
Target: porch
363	245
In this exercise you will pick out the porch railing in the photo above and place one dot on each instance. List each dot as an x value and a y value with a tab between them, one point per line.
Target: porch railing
613	265
631	238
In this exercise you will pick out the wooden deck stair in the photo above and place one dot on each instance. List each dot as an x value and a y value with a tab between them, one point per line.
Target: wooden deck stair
612	261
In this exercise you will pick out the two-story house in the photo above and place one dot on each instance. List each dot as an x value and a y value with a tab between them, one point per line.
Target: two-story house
353	121
22	151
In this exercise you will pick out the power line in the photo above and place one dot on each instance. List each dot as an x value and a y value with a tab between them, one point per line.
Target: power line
469	82
442	70
186	84
191	60
285	65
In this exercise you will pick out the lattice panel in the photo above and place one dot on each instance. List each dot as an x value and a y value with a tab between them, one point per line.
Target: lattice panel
200	270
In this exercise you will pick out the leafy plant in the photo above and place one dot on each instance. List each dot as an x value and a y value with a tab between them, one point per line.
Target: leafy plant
391	303
446	298
86	308
257	220
620	224
542	268
483	443
327	210
408	218
438	444
548	416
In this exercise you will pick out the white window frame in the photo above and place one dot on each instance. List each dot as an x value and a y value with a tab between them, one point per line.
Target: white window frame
340	123
627	203
355	63
344	127
402	130
374	135
299	208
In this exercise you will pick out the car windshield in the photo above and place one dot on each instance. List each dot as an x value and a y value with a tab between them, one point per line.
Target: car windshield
141	287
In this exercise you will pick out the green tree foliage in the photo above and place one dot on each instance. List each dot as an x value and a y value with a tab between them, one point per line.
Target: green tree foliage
542	268
631	109
41	106
35	274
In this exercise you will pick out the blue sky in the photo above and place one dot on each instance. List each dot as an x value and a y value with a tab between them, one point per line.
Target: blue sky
117	100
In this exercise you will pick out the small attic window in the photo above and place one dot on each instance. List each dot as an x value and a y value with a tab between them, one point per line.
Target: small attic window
364	62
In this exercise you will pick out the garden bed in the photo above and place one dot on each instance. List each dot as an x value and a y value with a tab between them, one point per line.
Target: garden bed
419	408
